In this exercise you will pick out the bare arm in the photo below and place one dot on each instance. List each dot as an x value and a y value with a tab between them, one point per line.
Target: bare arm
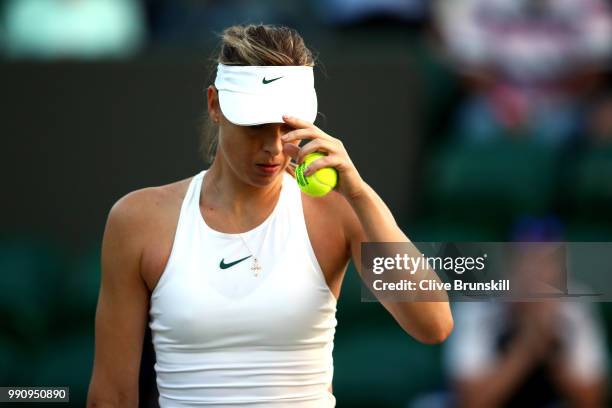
121	313
371	221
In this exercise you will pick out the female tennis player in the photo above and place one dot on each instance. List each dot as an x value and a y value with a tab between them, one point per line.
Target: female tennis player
236	271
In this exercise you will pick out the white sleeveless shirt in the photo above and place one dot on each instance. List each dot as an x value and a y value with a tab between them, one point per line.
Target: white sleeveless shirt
224	337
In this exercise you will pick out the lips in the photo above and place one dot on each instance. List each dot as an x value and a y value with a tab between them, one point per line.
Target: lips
268	168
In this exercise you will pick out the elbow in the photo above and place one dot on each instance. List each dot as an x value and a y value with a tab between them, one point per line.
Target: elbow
427	322
437	332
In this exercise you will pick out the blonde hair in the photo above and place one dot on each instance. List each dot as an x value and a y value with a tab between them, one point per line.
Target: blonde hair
252	44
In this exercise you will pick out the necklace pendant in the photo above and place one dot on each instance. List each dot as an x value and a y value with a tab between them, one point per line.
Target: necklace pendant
255	268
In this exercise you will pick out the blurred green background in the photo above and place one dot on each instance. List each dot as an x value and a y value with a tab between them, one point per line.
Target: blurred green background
82	125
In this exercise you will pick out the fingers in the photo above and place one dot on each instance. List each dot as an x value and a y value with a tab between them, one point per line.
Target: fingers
320	141
313	146
327	161
297	122
298	154
308	148
303	130
291	150
298	135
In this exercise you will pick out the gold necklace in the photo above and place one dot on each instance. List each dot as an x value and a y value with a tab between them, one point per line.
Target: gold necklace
255	266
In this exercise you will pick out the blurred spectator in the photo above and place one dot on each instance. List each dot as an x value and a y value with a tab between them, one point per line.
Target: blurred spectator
87	29
525	60
527	354
545	353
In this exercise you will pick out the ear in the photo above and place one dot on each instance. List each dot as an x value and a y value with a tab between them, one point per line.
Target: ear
214	111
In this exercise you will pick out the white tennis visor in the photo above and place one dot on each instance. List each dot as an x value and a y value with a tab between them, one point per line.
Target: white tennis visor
255	95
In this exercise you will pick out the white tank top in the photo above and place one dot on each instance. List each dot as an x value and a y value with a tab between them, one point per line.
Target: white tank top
224	337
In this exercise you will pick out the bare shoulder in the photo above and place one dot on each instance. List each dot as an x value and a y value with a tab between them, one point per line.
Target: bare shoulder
332	202
139	206
139	212
144	221
331	214
333	207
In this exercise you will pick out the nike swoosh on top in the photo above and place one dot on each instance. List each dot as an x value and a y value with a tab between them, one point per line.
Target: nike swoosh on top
267	81
224	265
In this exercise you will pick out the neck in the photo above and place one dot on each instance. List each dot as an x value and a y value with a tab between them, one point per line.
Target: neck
224	190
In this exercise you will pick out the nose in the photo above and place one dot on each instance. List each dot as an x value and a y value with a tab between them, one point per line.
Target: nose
272	141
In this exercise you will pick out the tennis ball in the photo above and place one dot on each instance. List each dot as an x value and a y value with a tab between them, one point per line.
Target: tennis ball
320	182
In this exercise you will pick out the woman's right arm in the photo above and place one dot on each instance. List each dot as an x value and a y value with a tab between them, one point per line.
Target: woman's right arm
122	309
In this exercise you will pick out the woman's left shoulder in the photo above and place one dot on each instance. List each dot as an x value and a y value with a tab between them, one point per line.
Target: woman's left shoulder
332	207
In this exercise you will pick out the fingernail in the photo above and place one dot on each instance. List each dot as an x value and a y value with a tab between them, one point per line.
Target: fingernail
284	137
307	171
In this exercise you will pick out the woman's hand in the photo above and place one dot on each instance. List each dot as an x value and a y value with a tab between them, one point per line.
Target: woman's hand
350	184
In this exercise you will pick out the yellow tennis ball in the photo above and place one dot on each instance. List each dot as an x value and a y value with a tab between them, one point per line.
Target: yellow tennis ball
320	182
